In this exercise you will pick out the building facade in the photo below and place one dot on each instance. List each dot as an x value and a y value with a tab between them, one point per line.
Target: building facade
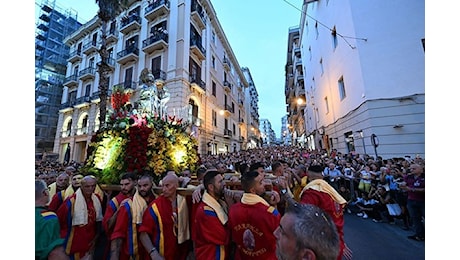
363	76
252	112
184	46
51	55
266	133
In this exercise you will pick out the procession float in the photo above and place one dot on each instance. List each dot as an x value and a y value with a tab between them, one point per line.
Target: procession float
140	136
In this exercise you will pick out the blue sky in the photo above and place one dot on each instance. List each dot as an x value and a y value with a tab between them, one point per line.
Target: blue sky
257	31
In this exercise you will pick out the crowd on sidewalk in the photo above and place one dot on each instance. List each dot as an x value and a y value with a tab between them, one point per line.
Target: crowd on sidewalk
242	205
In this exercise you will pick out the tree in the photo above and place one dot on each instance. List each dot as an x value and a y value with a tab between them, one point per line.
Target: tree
108	10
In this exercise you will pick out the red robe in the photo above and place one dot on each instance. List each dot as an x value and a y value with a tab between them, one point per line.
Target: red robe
158	223
56	201
128	231
211	237
112	207
335	210
77	239
251	228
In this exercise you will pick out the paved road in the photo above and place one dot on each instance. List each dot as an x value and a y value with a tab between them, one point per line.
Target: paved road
370	240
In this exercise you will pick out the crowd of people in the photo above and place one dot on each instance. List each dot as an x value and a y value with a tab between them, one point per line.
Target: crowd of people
265	203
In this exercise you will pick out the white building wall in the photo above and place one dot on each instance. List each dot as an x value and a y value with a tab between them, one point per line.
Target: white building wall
383	74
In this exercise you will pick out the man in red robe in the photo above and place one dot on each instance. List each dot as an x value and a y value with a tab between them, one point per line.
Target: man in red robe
211	235
128	187
124	239
58	198
80	219
253	221
318	192
165	228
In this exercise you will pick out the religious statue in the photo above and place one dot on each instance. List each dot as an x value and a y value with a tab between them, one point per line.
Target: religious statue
153	96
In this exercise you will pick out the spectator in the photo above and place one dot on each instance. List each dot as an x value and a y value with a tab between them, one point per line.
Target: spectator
415	186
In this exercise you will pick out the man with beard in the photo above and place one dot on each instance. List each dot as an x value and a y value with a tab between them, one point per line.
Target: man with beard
165	231
306	232
128	187
210	232
124	239
252	221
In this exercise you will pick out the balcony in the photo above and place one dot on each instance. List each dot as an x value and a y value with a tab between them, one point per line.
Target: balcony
82	130
298	64
196	48
112	36
127	85
71	81
197	15
95	96
157	41
226	63
156	9
110	62
299	78
297	51
67	106
40	37
89	48
65	133
127	55
198	84
227	86
43	27
228	109
75	56
131	23
193	120
300	91
45	17
228	134
82	102
87	73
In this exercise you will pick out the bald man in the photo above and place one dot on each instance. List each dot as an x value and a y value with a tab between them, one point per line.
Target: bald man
61	183
172	211
80	217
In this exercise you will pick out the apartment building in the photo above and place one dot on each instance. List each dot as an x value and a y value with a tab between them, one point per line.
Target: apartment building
363	69
185	47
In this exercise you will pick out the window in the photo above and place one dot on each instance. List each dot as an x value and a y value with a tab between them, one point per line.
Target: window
316	30
214	88
326	102
342	92
214	118
321	66
334	38
309	52
87	90
213	37
213	62
128	77
94	39
156	65
91	63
